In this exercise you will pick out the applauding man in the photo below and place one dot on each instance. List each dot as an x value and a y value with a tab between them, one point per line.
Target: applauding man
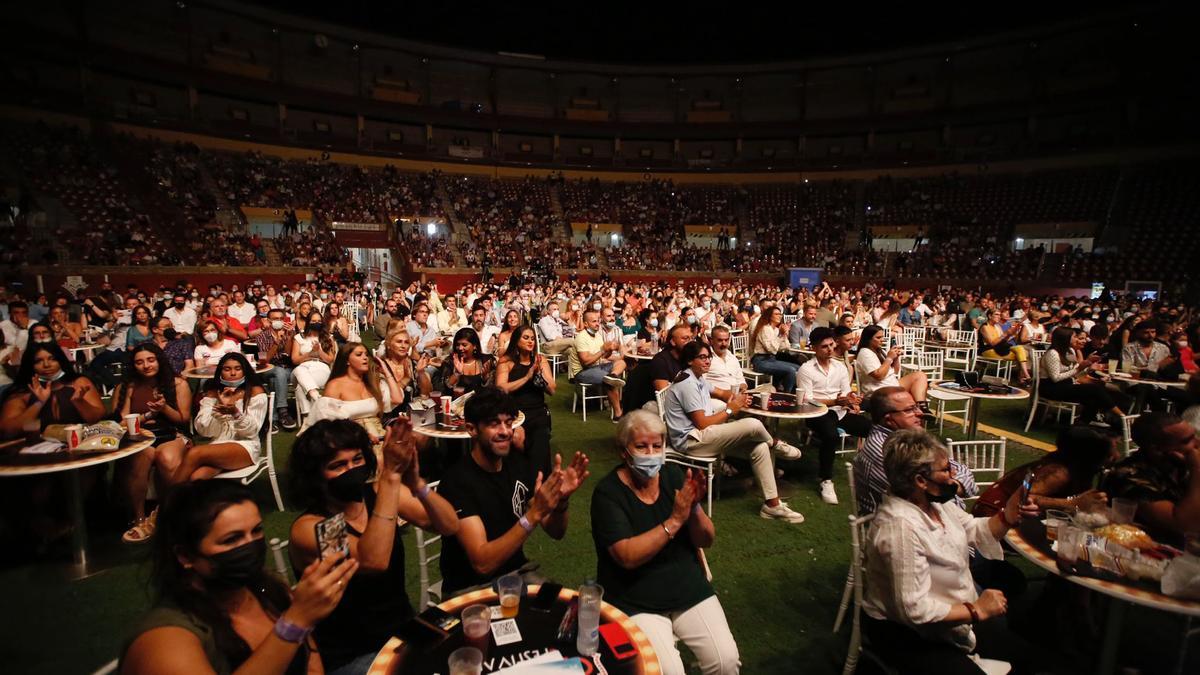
500	499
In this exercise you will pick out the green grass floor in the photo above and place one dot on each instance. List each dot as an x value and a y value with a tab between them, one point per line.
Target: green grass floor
780	584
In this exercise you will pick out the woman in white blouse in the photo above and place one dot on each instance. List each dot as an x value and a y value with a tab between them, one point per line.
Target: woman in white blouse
313	350
232	411
922	612
768	339
877	368
1063	374
357	391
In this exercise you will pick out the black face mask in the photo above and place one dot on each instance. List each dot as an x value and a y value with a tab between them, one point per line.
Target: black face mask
317	326
237	566
946	492
170	334
348	487
179	305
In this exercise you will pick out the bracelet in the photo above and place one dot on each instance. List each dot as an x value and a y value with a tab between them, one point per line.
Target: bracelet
668	531
525	524
289	632
380	515
974	612
423	492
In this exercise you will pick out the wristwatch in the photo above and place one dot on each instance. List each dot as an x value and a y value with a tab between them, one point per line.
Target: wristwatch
729	411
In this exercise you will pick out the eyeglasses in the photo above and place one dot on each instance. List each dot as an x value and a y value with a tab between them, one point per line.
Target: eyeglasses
705	357
911	410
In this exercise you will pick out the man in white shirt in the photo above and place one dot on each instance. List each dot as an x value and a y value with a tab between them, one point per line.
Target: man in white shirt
424	334
182	317
16	326
826	380
725	372
452	317
240	309
557	335
487	334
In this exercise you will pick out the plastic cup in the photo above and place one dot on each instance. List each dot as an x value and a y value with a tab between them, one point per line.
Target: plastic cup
133	424
1113	364
1070	540
466	661
1122	511
477	622
510	586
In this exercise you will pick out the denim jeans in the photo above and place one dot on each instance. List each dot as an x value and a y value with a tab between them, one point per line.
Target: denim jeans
279	377
782	373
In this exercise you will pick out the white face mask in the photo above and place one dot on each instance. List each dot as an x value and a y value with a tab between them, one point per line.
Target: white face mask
597	306
554	314
211	336
277	324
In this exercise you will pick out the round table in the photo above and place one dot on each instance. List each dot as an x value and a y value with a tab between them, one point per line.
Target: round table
1029	539
86	350
208	372
537	634
951	387
639	357
432	430
1130	380
809	410
72	461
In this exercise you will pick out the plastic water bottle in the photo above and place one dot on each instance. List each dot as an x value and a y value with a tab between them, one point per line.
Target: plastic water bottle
654	342
587	640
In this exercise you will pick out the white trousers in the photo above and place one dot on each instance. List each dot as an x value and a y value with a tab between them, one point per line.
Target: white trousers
745	437
309	376
702	628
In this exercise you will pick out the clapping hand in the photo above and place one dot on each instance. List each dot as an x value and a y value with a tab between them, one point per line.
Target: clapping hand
157	402
399	447
79	390
40	390
545	495
573	476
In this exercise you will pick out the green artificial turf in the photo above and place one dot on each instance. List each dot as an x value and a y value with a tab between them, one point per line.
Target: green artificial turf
780	584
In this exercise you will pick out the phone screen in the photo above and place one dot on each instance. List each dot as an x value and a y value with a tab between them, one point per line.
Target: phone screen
1026	485
332	537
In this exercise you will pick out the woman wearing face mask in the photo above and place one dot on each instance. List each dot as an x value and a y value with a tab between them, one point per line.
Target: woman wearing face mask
312	352
232	410
151	389
648	526
921	610
330	469
216	609
337	325
47	391
525	375
468	368
211	347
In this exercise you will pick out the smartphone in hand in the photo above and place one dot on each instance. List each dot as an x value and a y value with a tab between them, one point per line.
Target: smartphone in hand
332	538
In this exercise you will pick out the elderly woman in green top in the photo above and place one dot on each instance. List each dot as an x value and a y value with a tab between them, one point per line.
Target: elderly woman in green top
648	527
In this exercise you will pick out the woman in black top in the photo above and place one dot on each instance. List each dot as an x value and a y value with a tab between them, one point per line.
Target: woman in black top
330	468
468	368
517	374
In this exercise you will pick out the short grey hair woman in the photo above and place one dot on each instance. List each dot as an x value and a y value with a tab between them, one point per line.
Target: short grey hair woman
648	526
921	605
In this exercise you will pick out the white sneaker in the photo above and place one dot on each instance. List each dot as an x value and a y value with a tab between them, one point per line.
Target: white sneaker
613	381
786	450
827	493
781	512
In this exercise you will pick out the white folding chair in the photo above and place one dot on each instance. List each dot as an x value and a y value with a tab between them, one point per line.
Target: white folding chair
1036	399
279	558
960	349
429	589
556	360
981	457
858	540
1003	367
931	363
848	590
708	465
580	395
1127	433
266	463
739	343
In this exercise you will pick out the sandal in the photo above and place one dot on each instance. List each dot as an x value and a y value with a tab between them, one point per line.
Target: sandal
142	529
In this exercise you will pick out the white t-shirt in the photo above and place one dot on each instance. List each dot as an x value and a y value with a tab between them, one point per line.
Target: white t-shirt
725	372
243	314
868	362
209	356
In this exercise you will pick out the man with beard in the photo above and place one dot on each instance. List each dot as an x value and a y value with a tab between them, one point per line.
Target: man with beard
1163	477
499	498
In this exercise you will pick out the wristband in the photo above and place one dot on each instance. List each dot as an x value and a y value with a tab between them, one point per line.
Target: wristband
525	524
423	492
974	612
290	632
668	531
380	515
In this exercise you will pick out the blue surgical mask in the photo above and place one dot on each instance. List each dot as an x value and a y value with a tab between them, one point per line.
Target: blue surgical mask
647	466
654	323
232	383
691	319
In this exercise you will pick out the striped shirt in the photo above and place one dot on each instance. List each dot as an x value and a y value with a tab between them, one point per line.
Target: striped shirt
870	480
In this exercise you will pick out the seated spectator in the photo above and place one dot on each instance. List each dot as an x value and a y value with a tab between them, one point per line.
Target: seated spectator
214	602
725	371
261	320
877	368
164	401
451	317
892	409
511	322
229	327
1063	479
233	406
827	381
557	335
178	350
701	425
523	374
802	328
424	333
1065	376
16	326
66	332
1163	477
469	368
648	525
356	391
499	498
922	613
767	339
212	347
334	471
10	360
140	328
391	312
479	323
397	363
274	341
997	342
598	362
47	391
181	316
241	310
336	323
312	352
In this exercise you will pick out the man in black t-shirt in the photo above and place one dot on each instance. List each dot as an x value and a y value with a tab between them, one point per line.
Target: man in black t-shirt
499	498
644	381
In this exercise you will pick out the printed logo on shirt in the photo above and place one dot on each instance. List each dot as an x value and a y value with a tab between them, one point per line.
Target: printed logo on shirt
520	492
